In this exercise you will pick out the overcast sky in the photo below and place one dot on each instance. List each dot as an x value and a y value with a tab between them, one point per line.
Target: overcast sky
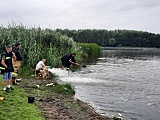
83	14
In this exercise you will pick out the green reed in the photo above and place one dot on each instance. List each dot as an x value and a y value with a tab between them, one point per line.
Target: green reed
90	49
38	43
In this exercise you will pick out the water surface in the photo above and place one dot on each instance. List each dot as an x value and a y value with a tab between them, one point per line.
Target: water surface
122	82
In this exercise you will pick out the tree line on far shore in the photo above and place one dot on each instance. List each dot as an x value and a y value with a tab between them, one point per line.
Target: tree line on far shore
114	38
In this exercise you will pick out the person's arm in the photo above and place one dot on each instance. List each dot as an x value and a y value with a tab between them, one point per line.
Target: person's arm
70	61
17	54
43	65
14	56
3	62
73	61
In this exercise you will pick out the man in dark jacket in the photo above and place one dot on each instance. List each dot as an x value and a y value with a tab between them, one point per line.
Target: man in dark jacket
18	62
7	67
69	59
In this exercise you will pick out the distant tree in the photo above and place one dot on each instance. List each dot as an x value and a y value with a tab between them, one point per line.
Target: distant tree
111	42
131	38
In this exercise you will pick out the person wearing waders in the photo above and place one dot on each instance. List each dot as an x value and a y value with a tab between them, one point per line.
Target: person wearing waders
6	68
69	59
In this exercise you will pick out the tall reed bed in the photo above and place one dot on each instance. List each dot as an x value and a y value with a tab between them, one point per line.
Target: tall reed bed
38	43
90	49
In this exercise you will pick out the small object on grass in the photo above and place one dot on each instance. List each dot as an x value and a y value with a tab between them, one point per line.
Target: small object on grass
2	98
30	99
37	86
32	75
49	84
18	80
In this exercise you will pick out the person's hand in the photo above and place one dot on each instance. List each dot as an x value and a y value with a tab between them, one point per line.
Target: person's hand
14	56
13	53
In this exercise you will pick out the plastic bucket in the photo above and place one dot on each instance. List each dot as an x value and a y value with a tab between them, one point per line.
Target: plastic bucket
30	99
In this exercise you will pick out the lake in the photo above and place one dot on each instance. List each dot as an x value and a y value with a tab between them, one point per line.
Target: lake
122	82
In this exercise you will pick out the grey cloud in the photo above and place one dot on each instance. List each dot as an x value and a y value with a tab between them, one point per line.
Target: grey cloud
79	14
139	4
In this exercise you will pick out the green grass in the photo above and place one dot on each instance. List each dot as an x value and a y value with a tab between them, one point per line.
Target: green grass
64	89
16	106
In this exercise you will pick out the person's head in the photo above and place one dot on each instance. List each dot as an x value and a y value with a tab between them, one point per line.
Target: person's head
43	60
9	48
18	45
73	54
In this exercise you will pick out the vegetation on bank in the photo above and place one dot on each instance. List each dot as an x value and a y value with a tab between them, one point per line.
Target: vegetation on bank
90	49
63	89
113	38
38	43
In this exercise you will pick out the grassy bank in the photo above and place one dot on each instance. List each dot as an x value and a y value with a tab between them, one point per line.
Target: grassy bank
51	102
16	107
57	102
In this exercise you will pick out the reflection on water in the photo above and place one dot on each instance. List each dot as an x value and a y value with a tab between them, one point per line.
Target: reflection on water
123	82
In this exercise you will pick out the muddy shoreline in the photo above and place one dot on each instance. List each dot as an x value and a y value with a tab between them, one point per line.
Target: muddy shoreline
57	106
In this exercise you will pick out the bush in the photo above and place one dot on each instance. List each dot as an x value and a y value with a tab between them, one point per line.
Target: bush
91	49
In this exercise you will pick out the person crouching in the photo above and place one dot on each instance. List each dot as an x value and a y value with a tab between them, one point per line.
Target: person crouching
41	68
